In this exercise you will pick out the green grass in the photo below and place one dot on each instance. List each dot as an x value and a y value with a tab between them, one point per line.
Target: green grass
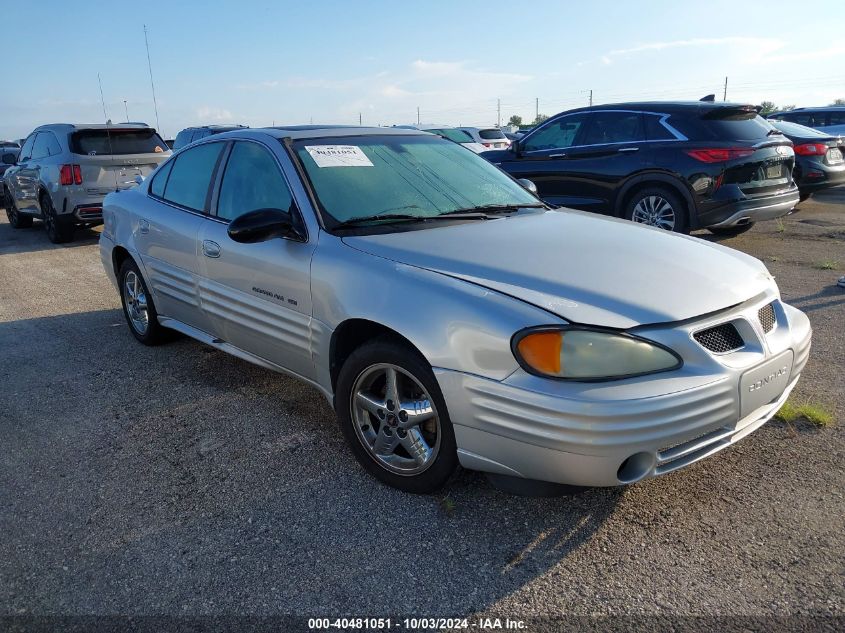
781	226
826	264
448	506
814	413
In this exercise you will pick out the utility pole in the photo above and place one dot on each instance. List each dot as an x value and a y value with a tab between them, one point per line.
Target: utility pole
359	118
725	95
536	108
126	109
498	113
591	97
418	115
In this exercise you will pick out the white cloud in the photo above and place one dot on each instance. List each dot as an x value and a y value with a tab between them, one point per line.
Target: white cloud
207	113
758	47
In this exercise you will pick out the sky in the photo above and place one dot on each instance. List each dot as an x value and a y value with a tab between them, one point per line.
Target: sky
459	62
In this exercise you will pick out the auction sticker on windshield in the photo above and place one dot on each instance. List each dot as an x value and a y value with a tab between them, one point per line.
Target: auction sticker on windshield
338	156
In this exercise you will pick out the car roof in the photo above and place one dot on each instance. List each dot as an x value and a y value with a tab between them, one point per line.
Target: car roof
299	132
231	126
836	108
664	106
91	126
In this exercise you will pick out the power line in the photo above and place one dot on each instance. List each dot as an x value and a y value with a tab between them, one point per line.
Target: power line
152	83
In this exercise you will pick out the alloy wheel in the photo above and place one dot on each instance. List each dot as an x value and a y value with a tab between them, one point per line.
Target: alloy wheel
135	299
395	419
655	211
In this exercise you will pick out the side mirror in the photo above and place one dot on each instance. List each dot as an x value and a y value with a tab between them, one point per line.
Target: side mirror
515	148
9	158
262	225
528	184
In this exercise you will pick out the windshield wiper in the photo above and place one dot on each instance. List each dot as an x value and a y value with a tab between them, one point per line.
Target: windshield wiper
402	217
504	208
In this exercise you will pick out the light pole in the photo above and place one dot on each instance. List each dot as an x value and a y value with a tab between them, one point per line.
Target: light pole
126	109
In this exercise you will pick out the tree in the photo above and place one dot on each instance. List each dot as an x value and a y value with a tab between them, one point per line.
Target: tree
767	107
838	102
540	118
786	108
515	120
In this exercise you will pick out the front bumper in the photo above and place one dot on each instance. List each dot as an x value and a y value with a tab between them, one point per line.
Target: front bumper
612	433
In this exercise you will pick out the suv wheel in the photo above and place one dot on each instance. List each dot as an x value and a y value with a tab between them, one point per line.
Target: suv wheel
138	306
394	417
59	230
660	207
730	231
17	219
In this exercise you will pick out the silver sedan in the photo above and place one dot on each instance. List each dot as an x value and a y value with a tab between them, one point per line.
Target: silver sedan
448	315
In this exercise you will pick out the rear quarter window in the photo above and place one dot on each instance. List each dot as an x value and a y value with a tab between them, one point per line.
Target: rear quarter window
728	126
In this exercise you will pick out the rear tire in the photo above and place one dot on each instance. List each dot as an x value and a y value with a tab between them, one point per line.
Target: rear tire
374	383
59	229
17	219
659	207
730	231
138	306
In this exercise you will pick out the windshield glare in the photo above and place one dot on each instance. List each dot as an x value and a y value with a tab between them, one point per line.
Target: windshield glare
422	176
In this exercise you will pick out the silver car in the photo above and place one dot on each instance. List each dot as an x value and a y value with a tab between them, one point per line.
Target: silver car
488	137
64	171
447	314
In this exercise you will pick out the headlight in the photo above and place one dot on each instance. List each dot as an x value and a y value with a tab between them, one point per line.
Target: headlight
576	353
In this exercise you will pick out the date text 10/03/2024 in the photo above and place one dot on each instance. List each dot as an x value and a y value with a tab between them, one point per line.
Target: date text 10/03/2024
416	624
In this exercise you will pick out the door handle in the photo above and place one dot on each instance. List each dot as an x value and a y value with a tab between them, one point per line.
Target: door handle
561	155
628	149
210	249
143	226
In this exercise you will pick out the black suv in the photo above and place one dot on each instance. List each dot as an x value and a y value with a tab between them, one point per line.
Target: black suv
675	165
191	134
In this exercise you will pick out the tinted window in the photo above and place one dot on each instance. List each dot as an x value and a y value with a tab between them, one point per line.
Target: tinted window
191	175
802	118
722	125
794	129
113	142
557	134
41	147
160	179
26	150
655	130
453	134
492	135
421	176
53	146
614	127
252	181
836	118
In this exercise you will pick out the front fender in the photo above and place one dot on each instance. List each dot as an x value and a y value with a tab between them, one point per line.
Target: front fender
455	324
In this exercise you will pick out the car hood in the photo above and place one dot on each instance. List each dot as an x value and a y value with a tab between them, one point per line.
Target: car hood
584	268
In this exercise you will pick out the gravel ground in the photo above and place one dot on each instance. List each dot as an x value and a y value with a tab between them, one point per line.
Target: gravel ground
181	481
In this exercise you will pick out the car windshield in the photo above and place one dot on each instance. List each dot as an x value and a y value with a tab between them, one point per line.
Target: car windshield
492	134
97	142
453	134
793	129
419	176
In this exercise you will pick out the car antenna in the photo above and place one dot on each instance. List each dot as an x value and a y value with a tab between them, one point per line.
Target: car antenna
108	132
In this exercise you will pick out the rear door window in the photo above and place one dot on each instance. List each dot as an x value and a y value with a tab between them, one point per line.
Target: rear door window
190	176
836	118
560	133
614	127
99	142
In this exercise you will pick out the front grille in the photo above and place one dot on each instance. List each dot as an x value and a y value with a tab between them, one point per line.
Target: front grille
720	339
767	317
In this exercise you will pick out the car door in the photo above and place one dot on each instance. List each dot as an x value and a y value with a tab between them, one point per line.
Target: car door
24	179
166	233
258	296
543	157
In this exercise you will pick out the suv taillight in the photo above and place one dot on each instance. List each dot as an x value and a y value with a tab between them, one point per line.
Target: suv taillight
811	149
720	154
70	175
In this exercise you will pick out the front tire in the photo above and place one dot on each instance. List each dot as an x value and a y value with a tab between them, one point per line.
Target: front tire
138	306
17	219
394	417
730	231
59	230
660	207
